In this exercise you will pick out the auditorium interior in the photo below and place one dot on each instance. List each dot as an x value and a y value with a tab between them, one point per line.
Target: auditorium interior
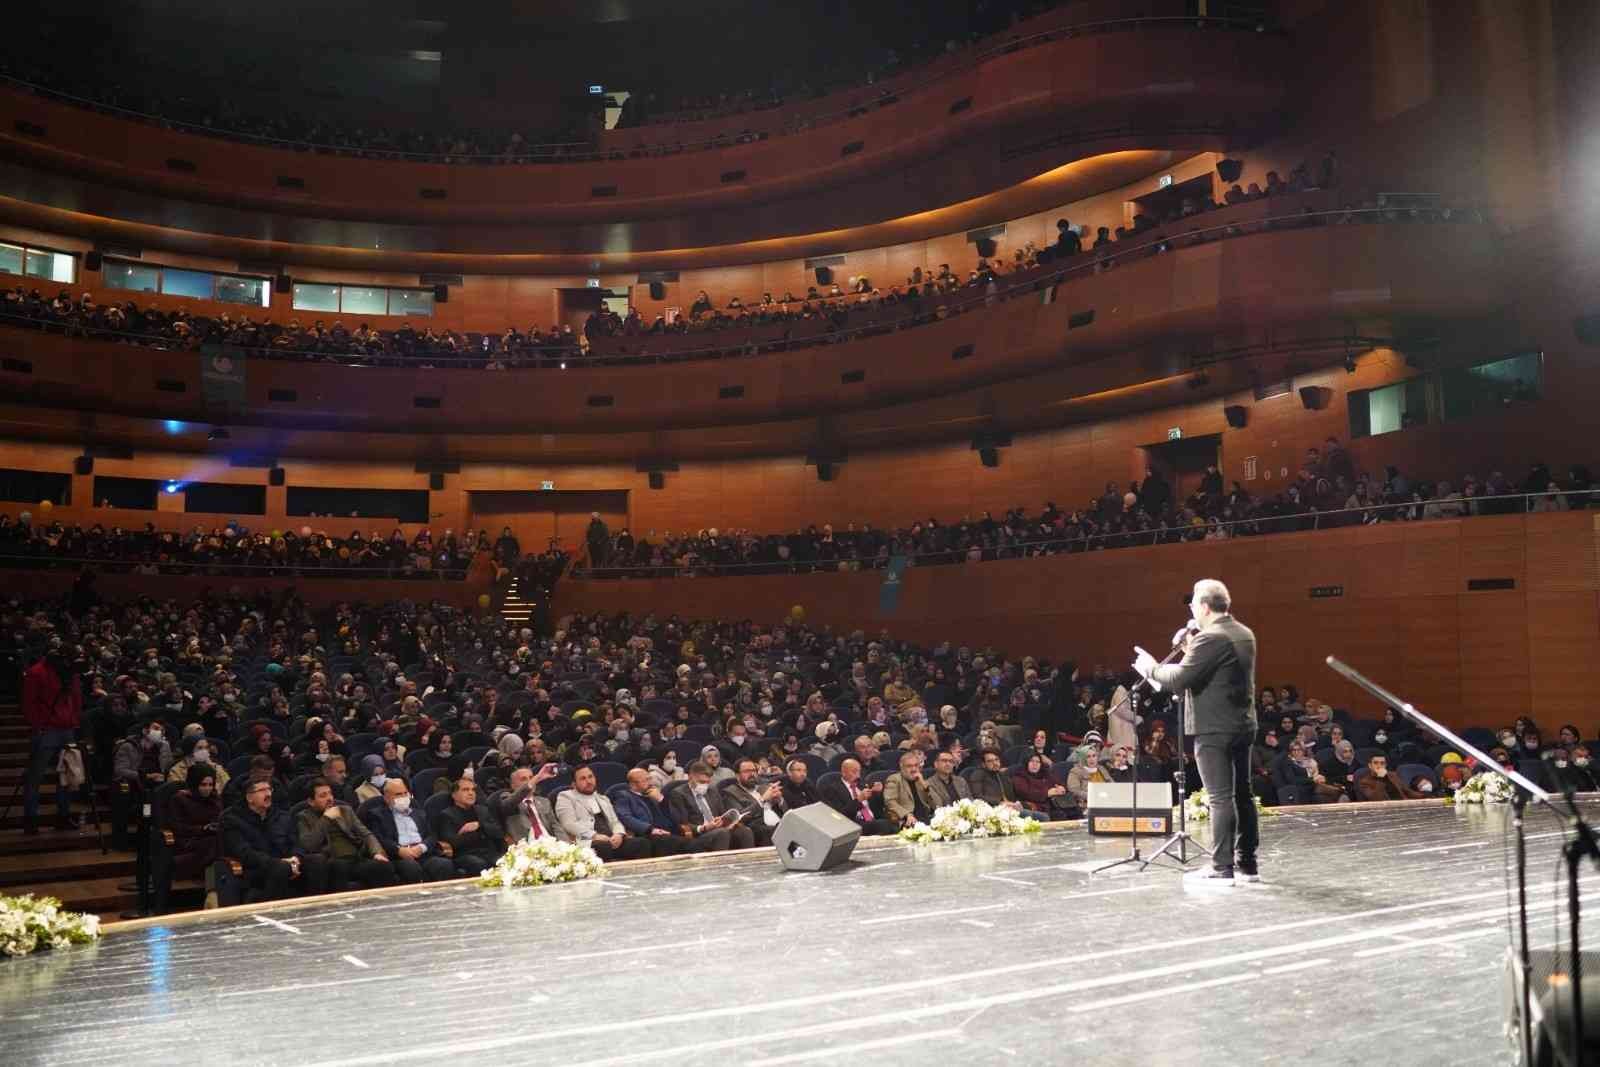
449	452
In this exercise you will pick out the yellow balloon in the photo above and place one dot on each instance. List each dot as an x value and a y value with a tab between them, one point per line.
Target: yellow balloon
46	505
483	600
797	613
277	533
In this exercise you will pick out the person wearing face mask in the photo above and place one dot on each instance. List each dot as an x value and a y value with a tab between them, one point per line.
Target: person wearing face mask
405	837
1575	771
1380	784
374	775
196	749
700	815
138	768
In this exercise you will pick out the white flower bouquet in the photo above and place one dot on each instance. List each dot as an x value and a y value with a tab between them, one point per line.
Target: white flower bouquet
1197	808
29	922
970	818
1487	788
542	861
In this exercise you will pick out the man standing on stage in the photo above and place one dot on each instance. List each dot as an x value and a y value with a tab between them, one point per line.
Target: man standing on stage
1218	677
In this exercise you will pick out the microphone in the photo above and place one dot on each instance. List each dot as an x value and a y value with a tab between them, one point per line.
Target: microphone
1182	635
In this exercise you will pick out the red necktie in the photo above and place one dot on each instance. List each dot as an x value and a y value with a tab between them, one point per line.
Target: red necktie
533	817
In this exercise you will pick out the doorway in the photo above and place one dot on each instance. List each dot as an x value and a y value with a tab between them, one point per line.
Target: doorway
1182	463
1166	204
539	517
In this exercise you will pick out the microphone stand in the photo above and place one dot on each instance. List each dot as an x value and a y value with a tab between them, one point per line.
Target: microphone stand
1132	702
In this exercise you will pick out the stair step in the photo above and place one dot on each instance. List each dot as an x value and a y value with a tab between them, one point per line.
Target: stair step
48	839
79	864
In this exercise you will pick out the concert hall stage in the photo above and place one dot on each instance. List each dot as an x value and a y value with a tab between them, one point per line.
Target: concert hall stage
1377	935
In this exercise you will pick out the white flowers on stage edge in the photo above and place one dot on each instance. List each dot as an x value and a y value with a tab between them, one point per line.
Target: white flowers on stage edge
1198	807
542	861
970	818
1487	788
29	922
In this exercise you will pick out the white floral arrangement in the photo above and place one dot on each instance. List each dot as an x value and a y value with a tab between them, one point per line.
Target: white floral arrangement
1487	788
29	922
542	861
1197	808
970	818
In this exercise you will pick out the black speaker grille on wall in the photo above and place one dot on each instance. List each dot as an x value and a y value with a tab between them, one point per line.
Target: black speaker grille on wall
1079	319
436	481
289	181
1236	415
658	291
432	194
852	377
83	465
852	148
990	457
283	284
275	476
603	190
961	352
730	392
824	275
731	176
1315	397
171	385
441	294
1229	170
16	366
1587	327
658	480
435	278
182	166
961	105
91	260
824	472
986	247
601	400
282	396
426	401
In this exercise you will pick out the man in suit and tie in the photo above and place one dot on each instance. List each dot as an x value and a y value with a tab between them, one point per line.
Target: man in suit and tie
695	808
523	812
1217	676
852	798
758	803
586	816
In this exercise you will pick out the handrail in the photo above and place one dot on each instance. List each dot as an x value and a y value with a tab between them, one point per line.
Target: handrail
1164	238
558	152
1291	522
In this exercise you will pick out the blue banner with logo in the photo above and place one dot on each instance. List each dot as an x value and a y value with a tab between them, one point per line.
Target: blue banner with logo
889	592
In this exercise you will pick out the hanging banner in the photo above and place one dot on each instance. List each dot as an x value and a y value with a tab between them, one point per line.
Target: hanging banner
889	592
222	377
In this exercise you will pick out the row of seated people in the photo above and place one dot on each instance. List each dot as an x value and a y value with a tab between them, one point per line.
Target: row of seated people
761	325
1328	492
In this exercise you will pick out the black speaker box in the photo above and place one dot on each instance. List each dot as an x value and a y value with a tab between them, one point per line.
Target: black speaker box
989	457
91	260
814	838
1315	397
658	480
986	247
1551	996
275	476
658	291
824	472
1587	327
83	465
824	275
1230	169
436	481
441	294
283	284
1236	415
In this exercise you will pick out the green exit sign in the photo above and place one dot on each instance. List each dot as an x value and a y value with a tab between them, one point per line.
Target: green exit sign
1175	434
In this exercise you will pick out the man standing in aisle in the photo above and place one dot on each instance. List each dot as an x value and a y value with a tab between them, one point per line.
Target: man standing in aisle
1217	676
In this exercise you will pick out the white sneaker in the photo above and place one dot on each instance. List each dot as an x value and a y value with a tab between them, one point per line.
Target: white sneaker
1209	878
1240	876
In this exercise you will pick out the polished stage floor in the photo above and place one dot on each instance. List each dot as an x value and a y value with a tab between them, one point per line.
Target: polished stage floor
1377	935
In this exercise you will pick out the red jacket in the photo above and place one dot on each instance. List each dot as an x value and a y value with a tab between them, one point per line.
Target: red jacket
46	704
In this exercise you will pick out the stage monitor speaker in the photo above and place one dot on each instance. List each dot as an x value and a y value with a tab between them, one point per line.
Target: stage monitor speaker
91	260
441	294
1551	1010
1230	169
1587	327
275	476
989	457
1236	415
435	481
824	275
283	284
1315	397
986	247
658	480
814	838
83	465
824	472
658	290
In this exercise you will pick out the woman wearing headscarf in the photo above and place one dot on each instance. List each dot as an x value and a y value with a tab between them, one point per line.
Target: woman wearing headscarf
393	759
267	744
193	816
1341	767
1035	789
197	750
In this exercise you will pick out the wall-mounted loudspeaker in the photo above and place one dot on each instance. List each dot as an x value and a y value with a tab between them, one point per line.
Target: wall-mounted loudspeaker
824	275
275	476
83	465
436	481
989	457
658	290
1236	415
1315	397
441	294
658	480
283	284
1587	327
91	260
824	470
986	247
1230	169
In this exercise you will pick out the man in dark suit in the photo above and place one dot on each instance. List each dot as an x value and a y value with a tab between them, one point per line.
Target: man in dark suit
467	831
852	798
405	836
1217	676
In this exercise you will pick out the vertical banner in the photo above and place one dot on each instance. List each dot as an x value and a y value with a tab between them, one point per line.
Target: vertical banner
222	378
889	592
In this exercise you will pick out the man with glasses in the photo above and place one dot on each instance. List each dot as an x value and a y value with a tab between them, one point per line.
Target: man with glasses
262	838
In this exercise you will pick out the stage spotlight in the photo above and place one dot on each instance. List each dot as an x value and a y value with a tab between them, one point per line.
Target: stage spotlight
172	487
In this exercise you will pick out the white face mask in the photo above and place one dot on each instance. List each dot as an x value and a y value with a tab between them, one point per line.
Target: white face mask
378	780
669	763
402	804
1381	772
202	756
153	736
1424	786
1582	761
1380	737
1561	763
700	789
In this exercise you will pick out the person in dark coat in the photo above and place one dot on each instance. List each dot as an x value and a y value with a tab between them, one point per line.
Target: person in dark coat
262	838
194	815
850	797
467	831
52	704
1034	787
798	789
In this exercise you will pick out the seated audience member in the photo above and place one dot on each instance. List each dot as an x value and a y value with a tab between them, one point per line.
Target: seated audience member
406	840
759	804
374	776
261	837
1299	780
585	815
1566	774
523	813
467	831
693	808
989	781
906	796
1583	771
944	784
331	832
1379	784
852	798
1119	764
1041	794
1453	772
196	749
194	815
1341	766
643	815
711	756
798	789
1086	770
